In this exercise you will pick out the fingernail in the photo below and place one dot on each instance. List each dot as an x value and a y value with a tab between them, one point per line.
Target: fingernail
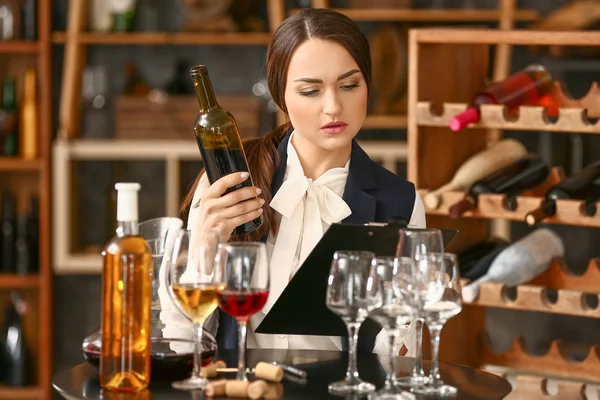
262	201
244	175
258	191
260	210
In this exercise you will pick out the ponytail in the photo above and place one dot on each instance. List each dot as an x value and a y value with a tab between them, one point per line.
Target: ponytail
263	160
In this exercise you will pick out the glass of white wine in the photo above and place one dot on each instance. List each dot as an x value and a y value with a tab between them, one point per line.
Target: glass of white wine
194	290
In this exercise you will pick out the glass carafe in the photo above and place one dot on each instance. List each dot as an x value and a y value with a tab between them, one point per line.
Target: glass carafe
160	234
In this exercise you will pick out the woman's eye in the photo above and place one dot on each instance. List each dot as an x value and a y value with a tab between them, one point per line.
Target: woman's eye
308	92
350	87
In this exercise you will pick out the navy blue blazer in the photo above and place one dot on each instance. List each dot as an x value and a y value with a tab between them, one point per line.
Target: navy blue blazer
373	193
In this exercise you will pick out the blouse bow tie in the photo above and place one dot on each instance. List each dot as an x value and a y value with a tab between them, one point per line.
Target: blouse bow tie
304	205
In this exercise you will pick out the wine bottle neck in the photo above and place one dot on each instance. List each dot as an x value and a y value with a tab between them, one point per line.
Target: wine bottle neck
547	209
204	90
127	228
127	208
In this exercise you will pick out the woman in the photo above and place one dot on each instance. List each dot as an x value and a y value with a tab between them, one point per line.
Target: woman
309	172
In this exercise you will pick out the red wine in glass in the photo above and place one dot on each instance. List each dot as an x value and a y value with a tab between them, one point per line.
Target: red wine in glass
242	304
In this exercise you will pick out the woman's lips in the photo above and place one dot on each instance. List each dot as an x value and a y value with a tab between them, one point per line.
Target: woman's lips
334	128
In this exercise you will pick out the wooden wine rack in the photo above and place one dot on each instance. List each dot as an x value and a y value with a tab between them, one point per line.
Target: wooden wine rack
544	389
530	118
440	89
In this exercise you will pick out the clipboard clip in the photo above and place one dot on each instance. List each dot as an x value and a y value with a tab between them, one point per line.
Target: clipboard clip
394	221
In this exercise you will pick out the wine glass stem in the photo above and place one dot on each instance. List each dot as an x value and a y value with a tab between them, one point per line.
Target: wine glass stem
391	377
418	370
352	372
435	331
242	328
197	349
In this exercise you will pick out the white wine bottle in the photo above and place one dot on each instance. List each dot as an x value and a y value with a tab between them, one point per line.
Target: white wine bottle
478	166
126	299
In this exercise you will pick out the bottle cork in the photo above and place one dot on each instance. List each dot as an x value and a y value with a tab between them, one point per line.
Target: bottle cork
215	388
234	388
273	391
268	372
210	370
256	389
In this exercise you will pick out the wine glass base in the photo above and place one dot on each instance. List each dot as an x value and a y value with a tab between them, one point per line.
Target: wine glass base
411	381
441	390
193	383
351	386
392	393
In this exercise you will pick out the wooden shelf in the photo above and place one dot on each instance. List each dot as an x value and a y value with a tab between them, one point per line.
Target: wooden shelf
19	164
18	46
491	206
521	37
385	122
537	387
424	15
535	298
530	118
13	281
28	393
151	38
553	363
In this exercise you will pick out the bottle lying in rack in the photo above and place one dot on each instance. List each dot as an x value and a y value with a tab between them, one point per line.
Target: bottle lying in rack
515	178
584	185
478	166
520	262
476	260
525	87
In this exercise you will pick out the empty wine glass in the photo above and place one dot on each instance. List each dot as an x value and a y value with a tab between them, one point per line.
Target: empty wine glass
352	293
440	296
242	268
193	290
395	276
413	243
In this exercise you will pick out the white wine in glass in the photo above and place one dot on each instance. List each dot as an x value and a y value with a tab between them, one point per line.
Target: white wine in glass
194	290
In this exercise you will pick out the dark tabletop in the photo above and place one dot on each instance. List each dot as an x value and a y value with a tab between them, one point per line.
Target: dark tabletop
323	367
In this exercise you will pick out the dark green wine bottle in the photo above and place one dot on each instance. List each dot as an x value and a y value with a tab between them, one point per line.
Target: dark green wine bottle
219	140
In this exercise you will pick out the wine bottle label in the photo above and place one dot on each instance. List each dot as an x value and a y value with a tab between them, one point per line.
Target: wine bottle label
121	6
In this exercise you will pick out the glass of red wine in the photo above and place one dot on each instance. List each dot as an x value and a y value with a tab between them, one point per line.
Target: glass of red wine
242	270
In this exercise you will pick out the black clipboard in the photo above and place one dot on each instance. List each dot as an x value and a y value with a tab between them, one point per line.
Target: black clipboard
297	313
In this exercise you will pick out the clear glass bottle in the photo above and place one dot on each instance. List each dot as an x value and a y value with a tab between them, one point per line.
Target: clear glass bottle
126	297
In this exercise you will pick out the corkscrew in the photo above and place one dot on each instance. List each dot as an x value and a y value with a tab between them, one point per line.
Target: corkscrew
273	372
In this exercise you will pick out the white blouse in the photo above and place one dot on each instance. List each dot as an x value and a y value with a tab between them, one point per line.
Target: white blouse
306	209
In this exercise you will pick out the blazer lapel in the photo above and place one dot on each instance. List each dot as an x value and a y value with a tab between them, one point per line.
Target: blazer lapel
361	178
280	169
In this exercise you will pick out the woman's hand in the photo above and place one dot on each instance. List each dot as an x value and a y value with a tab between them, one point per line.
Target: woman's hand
224	213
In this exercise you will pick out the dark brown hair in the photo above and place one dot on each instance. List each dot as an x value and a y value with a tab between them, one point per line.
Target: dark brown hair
262	154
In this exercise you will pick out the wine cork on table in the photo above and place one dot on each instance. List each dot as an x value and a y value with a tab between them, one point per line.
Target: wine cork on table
265	390
215	388
235	388
211	370
268	372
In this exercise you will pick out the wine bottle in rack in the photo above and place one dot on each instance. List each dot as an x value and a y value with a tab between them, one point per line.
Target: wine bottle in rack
522	88
584	185
478	166
511	180
33	234
520	262
16	358
219	140
8	232
9	106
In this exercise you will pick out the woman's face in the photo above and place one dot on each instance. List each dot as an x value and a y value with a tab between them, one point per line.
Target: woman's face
325	94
